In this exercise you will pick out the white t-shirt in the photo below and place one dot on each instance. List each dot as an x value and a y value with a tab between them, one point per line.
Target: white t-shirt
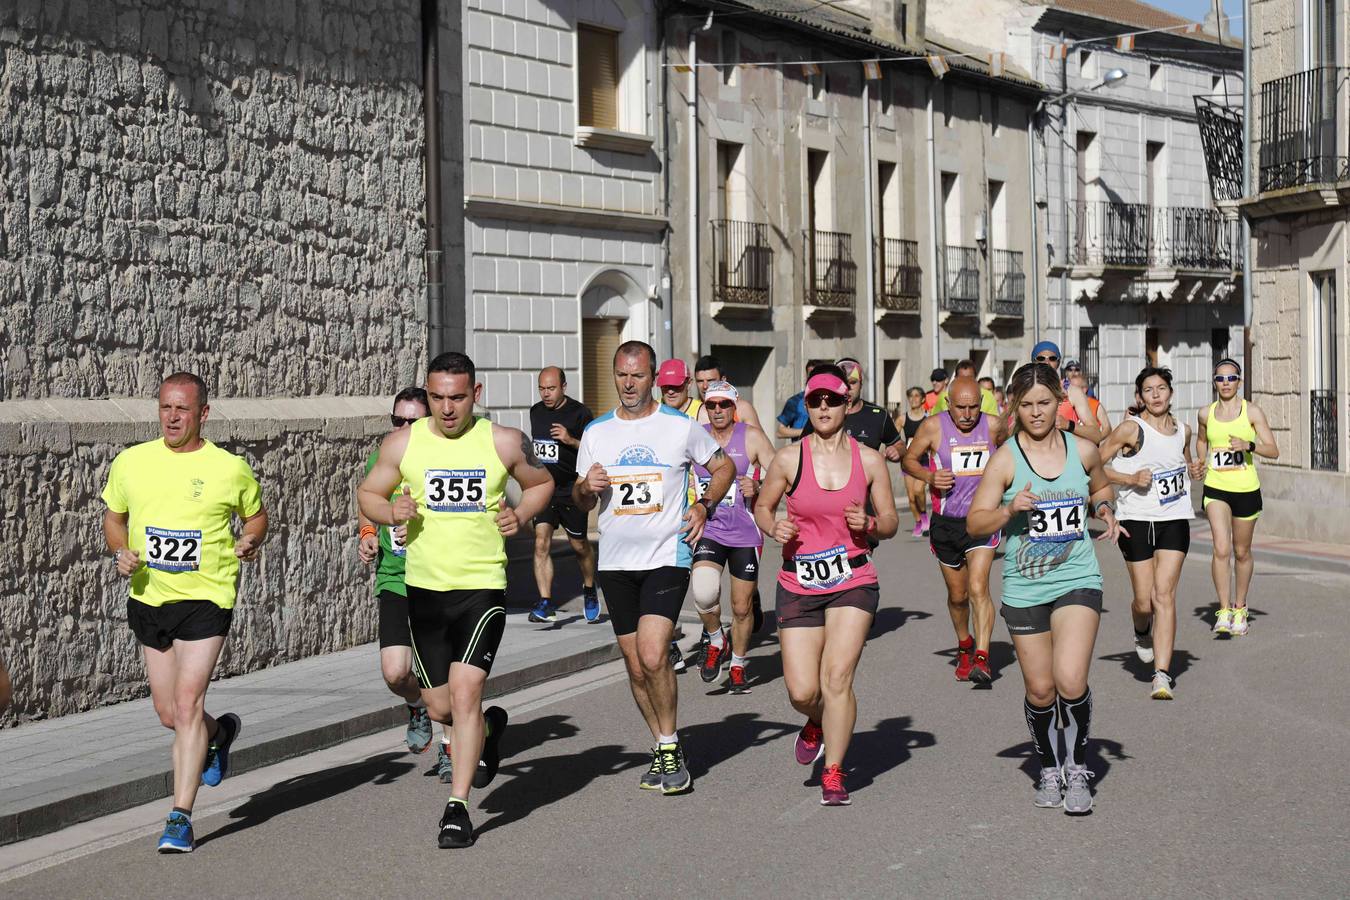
642	510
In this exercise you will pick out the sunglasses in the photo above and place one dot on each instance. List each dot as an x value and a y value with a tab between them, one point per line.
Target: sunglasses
1072	369
720	404
1226	379
1047	359
399	421
816	401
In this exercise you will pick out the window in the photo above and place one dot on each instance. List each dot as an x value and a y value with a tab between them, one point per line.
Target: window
730	182
886	92
1322	33
902	23
1089	353
819	199
815	85
888	195
1218	346
1325	438
1153	354
998	216
1087	65
951	209
1155	77
1155	174
600	338
598	77
731	54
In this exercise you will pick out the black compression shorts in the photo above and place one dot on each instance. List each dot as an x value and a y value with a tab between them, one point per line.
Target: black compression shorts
562	511
741	562
949	541
454	626
1036	619
394	631
630	595
1147	537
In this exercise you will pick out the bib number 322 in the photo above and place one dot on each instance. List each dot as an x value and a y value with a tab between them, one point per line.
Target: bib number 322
173	550
824	569
456	490
1056	521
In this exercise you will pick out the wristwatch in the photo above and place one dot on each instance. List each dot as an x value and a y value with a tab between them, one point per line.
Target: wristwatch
708	506
1252	447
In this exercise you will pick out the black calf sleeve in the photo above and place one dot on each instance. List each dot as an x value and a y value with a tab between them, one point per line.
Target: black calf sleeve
1074	717
1040	721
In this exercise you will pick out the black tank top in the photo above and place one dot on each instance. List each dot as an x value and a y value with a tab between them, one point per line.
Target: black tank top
911	429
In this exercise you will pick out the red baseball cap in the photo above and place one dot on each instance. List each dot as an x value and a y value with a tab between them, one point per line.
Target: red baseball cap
673	373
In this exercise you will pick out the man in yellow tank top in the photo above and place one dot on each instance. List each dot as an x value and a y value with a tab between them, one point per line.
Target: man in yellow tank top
1231	435
451	469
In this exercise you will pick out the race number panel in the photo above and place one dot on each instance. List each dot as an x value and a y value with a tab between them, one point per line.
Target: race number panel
824	569
456	490
1171	485
546	450
1054	521
1225	459
173	550
637	493
397	547
970	460
701	488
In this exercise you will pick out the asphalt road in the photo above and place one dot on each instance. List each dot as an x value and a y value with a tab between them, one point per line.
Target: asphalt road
1237	788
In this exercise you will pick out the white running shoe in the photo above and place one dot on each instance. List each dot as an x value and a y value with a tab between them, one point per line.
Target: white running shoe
1143	647
1239	626
1223	623
1162	687
1077	794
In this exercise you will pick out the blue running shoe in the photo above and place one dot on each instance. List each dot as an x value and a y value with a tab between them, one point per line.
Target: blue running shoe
177	837
591	602
218	751
418	736
543	613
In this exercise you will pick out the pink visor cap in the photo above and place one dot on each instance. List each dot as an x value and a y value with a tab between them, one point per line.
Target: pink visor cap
825	381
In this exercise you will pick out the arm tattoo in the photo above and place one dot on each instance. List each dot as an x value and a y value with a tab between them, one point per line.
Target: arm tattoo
527	451
720	454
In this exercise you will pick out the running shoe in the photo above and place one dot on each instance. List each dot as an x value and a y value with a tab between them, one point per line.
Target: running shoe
218	751
590	604
757	611
651	779
736	682
1050	788
963	664
177	836
543	613
1223	623
1162	687
979	669
494	720
675	777
443	769
810	744
714	658
1077	794
1143	646
701	652
1240	626
832	790
419	729
676	657
926	524
456	829
918	527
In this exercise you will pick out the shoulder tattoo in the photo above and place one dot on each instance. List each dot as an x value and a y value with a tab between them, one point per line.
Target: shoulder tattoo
527	450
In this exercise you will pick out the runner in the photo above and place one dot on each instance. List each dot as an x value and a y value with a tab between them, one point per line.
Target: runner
384	547
866	422
730	539
168	525
452	467
961	441
708	369
672	380
916	489
966	369
827	589
939	379
634	461
1078	413
793	417
557	422
1231	435
1152	476
1040	488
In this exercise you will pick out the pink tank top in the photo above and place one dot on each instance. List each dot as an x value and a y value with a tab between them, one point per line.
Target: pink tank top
816	561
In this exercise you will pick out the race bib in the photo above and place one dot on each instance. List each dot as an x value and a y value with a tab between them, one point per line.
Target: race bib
396	547
456	490
1171	485
173	550
638	494
1056	521
823	569
1226	459
701	488
546	450
969	460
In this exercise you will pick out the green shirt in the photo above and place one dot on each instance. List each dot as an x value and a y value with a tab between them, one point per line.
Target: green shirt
988	403
389	565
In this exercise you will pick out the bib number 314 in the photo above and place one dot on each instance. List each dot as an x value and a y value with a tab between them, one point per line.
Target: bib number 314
456	490
824	569
173	550
1055	521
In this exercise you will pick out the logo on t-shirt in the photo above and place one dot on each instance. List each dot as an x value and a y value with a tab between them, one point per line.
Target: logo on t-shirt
197	487
638	455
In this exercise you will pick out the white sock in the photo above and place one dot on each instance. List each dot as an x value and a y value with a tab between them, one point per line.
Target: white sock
445	739
417	704
738	660
667	739
717	638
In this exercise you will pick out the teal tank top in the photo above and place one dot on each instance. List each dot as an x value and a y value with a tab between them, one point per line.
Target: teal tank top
1049	550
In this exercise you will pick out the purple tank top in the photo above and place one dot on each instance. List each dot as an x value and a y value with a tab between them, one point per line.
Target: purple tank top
733	525
965	456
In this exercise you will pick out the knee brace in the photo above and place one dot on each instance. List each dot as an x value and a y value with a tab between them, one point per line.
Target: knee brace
706	583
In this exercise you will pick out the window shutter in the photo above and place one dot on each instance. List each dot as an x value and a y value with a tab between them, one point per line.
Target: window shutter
600	338
598	81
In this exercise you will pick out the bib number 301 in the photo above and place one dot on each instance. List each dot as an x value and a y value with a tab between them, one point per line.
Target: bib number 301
173	550
456	490
823	569
1055	521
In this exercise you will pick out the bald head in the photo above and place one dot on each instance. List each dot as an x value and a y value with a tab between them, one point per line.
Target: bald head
963	402
552	385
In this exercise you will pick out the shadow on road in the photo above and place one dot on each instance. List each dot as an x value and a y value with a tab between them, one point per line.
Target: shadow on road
1142	671
893	618
1100	754
315	787
872	753
711	743
536	783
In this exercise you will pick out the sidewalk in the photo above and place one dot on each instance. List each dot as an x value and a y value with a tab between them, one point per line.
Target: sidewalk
1274	550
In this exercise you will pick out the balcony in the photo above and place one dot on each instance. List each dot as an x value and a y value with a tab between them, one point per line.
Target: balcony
1108	234
899	278
742	268
832	275
1010	283
961	281
1301	124
1324	431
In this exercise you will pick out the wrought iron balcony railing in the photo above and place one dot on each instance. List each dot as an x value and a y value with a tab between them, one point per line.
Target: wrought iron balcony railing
832	275
1136	235
1302	122
899	277
1322	416
742	263
1010	283
961	281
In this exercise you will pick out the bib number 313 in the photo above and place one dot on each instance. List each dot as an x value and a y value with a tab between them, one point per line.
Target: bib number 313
1055	521
823	569
173	550
456	490
1171	485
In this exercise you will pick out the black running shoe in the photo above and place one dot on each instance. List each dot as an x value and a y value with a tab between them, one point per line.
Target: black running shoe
675	777
714	658
701	654
676	657
757	611
456	829
651	779
494	718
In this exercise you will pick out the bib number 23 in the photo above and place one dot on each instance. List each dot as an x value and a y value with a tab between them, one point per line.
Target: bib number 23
173	550
637	495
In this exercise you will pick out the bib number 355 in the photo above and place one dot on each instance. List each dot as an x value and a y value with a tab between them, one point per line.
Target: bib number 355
456	490
173	550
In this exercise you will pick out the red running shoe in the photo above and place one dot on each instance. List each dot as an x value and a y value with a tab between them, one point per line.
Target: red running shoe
714	659
979	672
736	683
832	790
810	744
963	664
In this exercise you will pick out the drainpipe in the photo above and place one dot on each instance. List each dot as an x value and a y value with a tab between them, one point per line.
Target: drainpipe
695	325
869	260
938	240
1064	198
666	343
1035	241
431	123
1247	192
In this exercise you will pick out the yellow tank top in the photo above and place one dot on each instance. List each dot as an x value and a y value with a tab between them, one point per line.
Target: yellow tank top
1228	469
458	484
691	411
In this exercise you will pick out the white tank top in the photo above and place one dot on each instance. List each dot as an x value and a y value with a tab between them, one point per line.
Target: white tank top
1168	497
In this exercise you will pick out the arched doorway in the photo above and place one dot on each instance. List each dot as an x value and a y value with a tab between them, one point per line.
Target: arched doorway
613	310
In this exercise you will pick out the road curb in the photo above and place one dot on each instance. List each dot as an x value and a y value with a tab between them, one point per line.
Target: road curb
53	815
1288	560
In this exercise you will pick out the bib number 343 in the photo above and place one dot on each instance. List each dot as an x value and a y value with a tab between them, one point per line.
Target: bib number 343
173	550
1053	521
823	569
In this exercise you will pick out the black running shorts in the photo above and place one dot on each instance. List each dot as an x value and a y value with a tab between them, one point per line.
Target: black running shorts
1147	537
949	541
808	610
561	511
1036	619
741	562
630	595
1245	504
158	627
394	630
454	626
